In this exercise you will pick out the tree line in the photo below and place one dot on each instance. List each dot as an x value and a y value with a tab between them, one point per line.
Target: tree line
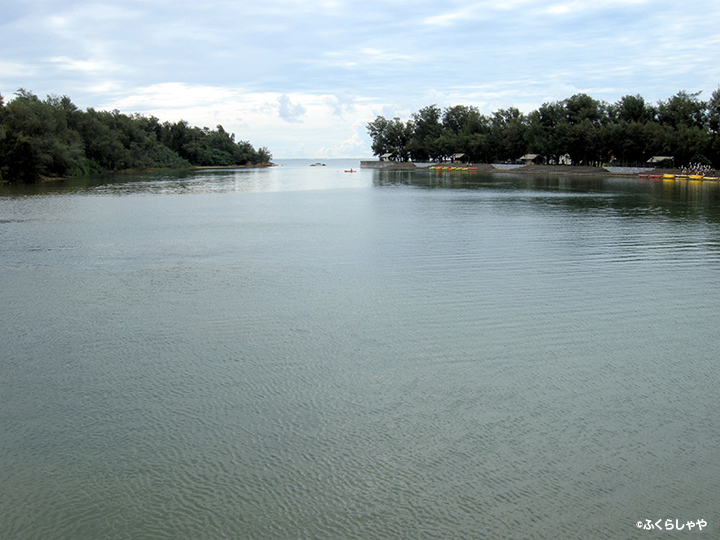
579	129
53	138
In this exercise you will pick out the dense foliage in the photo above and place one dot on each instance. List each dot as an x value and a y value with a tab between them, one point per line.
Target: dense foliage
580	130
54	138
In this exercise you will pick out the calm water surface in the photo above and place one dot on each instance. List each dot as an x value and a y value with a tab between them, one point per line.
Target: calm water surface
304	353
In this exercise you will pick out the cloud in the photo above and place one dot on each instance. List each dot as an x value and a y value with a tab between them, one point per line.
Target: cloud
340	105
353	145
88	66
449	17
289	111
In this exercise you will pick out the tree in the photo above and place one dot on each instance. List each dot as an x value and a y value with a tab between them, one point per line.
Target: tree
264	155
36	139
546	131
377	129
586	143
508	134
390	137
54	138
713	108
581	107
463	128
590	131
425	130
627	143
398	135
683	109
632	109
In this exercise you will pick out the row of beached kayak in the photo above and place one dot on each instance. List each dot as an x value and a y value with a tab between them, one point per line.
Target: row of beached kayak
642	176
439	168
678	177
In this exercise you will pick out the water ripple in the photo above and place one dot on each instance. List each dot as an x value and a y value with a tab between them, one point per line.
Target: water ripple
442	364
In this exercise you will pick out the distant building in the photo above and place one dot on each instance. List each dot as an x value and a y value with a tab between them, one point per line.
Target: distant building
458	157
531	159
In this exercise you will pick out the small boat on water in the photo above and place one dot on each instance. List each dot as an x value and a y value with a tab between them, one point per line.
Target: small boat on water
351	170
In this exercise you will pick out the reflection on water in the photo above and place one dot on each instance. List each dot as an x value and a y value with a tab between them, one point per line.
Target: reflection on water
306	353
677	198
288	175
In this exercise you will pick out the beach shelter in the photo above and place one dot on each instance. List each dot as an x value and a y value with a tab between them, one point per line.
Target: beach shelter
661	160
529	159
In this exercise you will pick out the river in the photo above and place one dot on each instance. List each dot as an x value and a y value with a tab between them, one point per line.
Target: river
305	353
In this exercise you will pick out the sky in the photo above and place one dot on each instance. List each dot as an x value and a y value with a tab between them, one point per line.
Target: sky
303	78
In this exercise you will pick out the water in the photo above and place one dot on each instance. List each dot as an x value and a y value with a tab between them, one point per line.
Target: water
304	353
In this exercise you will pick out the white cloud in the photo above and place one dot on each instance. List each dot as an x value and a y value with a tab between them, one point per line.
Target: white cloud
447	18
88	66
15	70
289	111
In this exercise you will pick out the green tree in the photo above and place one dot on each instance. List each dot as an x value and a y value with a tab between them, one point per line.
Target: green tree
377	129
590	131
546	131
632	109
713	111
54	138
390	137
714	125
627	143
683	109
425	129
463	129
582	107
263	155
37	140
508	134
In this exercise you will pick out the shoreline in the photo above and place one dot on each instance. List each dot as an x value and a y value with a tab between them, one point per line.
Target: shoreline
573	170
246	166
152	169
